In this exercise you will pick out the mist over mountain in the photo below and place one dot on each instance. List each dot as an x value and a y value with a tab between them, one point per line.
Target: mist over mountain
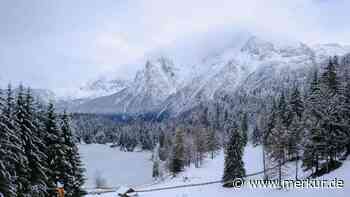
166	84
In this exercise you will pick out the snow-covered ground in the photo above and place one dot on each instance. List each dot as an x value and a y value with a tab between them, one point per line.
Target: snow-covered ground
114	166
212	170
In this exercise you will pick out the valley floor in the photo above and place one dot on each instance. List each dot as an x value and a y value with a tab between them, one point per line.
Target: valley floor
212	171
115	167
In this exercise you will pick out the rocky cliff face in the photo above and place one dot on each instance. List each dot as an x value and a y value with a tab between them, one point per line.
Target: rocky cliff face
151	86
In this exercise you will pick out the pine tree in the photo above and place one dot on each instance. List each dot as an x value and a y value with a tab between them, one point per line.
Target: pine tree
9	150
346	115
199	140
296	127
25	132
213	143
277	140
244	128
36	175
177	156
329	78
324	122
271	119
56	153
156	163
276	145
73	175
256	136
283	111
37	157
313	142
296	103
313	150
234	166
331	113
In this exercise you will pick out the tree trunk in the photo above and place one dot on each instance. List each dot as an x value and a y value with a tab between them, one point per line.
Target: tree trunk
263	152
280	173
296	168
316	167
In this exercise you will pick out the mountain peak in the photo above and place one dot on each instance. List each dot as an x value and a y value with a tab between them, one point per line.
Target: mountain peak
258	47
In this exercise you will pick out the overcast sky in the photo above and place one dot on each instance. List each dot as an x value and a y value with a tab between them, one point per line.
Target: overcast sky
58	44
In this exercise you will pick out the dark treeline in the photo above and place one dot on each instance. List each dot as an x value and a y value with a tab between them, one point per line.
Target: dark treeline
37	148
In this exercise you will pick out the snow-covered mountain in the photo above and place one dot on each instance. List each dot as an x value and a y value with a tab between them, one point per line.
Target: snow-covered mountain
151	86
258	66
256	63
102	87
324	51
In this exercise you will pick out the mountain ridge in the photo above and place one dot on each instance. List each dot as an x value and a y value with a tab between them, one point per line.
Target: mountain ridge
160	87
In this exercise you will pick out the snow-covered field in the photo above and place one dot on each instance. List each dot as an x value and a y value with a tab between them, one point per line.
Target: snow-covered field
114	166
212	170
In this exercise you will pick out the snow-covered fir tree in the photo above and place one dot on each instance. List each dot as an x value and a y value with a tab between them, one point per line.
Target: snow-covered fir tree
9	149
213	143
156	163
244	127
56	149
74	173
177	156
234	166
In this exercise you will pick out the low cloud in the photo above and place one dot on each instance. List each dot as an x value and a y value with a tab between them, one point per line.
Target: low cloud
54	44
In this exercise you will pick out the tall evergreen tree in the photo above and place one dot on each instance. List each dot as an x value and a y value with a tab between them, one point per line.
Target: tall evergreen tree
177	157
156	162
346	114
56	152
234	166
283	111
24	135
329	78
313	141
199	140
9	151
35	174
37	156
213	143
296	127
244	128
277	140
256	136
331	116
73	175
296	103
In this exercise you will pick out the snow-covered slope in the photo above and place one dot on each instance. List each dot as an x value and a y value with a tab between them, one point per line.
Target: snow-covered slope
101	87
324	51
151	86
258	64
212	171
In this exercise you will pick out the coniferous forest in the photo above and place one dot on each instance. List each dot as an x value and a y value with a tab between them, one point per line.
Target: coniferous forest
306	124
37	148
